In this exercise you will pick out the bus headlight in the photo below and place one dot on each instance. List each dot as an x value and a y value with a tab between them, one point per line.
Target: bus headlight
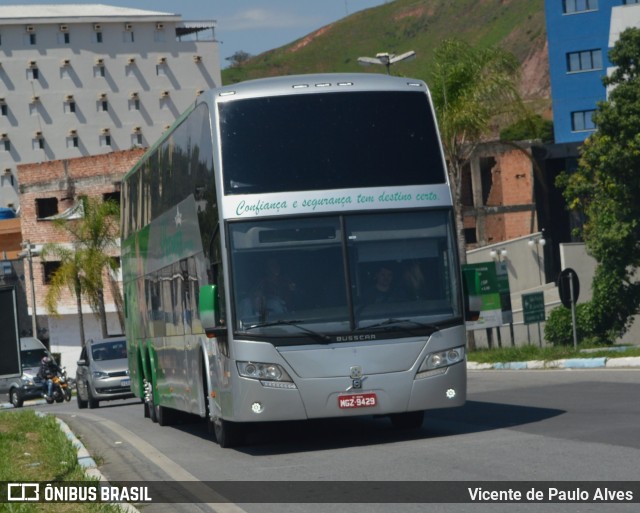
436	363
263	371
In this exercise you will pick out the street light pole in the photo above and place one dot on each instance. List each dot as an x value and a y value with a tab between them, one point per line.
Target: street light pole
387	59
29	256
539	242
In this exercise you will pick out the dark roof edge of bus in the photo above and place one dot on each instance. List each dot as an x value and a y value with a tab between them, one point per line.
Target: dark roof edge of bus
158	142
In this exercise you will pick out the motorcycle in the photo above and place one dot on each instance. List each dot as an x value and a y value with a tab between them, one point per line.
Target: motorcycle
61	390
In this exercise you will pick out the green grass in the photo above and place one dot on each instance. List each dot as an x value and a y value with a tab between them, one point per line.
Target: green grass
549	353
33	448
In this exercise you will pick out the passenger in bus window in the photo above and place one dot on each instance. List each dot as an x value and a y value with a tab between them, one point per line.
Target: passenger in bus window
383	289
413	281
274	293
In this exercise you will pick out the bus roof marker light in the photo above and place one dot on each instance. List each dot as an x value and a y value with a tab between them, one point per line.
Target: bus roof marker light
323	84
300	86
344	83
414	84
227	93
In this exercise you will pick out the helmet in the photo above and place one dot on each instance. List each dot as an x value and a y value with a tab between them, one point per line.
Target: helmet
46	359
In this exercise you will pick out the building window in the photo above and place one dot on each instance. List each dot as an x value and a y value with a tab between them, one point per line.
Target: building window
111	196
31	39
6	145
103	105
46	207
582	120
161	70
105	140
134	104
33	74
127	36
573	6
630	2
69	106
99	71
73	141
64	38
97	37
48	270
4	110
38	143
584	61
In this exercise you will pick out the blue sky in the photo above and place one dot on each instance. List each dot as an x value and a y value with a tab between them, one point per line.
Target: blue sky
253	26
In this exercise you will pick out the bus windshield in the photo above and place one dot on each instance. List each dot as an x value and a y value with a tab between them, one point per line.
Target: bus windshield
328	141
339	274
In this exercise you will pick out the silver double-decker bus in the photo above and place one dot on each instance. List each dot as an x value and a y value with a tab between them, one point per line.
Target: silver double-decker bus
289	252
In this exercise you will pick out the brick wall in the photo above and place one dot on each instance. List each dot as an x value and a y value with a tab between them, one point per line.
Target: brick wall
66	180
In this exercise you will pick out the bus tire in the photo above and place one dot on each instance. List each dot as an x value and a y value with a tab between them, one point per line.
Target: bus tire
228	434
407	420
165	416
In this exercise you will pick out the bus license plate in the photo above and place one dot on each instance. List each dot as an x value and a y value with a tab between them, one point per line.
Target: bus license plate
357	401
125	383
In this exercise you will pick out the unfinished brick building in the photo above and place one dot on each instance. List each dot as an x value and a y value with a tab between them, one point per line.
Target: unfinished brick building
498	194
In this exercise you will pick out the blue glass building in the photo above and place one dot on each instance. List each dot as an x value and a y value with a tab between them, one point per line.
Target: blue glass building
578	38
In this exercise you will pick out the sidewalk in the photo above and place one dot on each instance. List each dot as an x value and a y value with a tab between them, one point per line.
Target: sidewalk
569	363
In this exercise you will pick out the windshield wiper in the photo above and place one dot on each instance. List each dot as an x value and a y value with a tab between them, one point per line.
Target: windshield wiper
295	323
389	323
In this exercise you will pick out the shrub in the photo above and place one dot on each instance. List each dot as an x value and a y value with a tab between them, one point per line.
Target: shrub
559	328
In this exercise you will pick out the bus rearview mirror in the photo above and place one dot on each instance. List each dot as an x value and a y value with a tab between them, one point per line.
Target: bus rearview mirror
208	306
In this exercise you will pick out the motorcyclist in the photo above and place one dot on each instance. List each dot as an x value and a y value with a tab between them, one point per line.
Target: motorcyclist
48	369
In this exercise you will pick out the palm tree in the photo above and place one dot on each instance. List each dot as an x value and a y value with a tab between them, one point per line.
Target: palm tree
69	274
93	236
471	88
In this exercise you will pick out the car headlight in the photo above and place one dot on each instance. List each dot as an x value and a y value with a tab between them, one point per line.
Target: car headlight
269	374
437	363
100	375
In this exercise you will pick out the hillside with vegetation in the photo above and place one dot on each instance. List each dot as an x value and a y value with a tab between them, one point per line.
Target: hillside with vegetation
420	25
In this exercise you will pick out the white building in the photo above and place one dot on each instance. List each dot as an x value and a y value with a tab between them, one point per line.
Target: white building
79	80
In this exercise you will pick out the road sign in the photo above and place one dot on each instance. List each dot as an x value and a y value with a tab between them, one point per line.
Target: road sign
568	283
482	296
533	307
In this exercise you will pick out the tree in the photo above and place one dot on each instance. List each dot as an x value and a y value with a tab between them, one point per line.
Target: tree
471	89
94	236
606	190
239	58
69	274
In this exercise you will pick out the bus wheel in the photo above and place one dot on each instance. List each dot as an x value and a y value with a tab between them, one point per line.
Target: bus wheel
228	434
165	416
408	420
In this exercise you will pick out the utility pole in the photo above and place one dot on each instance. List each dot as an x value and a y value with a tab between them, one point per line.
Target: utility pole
28	254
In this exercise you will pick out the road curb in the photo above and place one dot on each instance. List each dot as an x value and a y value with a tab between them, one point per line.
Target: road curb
86	461
569	363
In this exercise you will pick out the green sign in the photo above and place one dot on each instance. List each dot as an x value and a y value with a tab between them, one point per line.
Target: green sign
482	296
533	307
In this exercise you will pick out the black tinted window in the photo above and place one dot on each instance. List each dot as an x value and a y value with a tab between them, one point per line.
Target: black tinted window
329	141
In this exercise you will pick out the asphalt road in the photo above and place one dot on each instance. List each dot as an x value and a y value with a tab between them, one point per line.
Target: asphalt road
534	426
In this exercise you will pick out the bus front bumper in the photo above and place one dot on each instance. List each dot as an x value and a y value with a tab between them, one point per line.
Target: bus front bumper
381	394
